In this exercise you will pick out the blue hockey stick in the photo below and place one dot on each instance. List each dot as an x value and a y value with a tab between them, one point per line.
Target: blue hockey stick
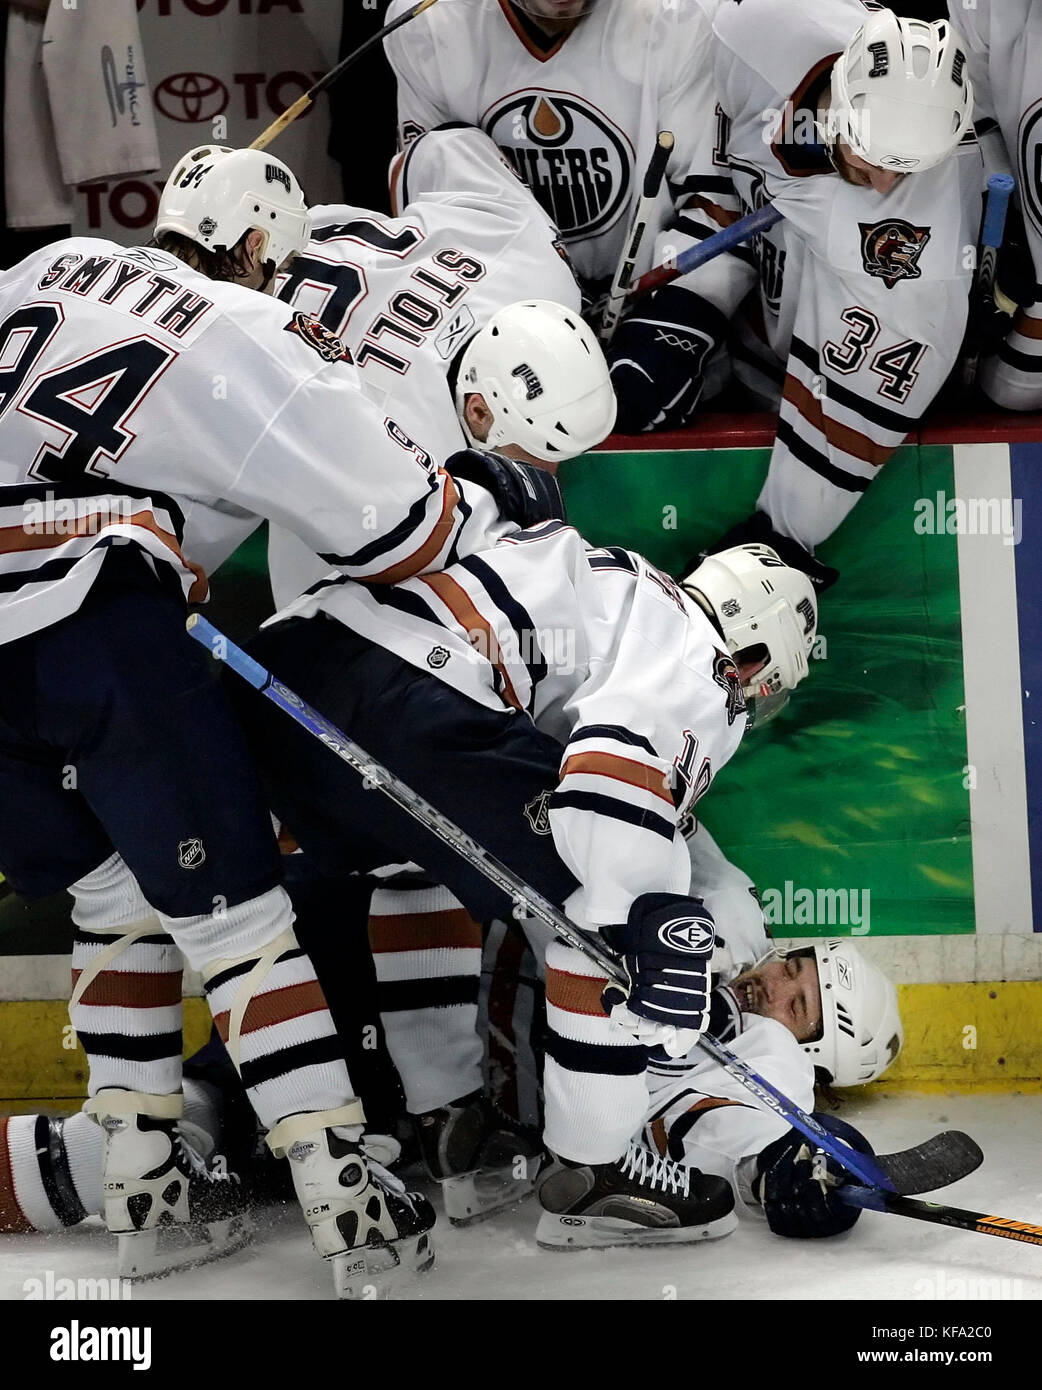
996	208
742	230
916	1170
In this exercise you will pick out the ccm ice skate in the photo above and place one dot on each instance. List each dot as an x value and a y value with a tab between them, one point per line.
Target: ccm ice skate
375	1233
169	1200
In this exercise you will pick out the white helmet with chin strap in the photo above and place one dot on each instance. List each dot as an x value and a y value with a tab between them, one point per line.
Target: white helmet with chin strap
861	1030
761	603
544	378
216	194
901	95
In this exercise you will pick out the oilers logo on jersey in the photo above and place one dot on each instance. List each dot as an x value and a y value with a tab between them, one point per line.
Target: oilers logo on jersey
725	673
1029	140
891	249
578	163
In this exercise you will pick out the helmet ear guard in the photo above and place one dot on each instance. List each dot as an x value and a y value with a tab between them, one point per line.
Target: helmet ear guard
861	1031
768	614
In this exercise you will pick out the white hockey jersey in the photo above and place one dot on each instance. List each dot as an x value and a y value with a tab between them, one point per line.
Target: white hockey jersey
579	116
405	294
1005	52
609	657
697	1113
143	402
863	295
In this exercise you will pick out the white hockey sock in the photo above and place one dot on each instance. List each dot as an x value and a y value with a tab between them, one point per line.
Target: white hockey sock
593	1080
50	1171
427	952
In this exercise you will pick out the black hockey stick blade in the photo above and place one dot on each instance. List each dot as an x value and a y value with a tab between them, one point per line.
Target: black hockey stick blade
945	1158
1006	1227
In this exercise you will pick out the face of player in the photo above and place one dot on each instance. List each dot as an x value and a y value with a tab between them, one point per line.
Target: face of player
786	990
854	170
554	14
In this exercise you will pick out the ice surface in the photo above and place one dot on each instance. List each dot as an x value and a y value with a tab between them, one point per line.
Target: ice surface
884	1257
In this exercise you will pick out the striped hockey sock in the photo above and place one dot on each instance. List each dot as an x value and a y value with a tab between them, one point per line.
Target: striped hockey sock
427	951
290	1058
593	1078
50	1172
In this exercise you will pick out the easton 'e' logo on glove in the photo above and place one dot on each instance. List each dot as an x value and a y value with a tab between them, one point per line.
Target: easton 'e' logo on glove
692	935
665	949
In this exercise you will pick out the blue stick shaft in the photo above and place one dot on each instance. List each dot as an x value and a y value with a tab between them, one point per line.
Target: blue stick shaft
742	230
1000	190
221	647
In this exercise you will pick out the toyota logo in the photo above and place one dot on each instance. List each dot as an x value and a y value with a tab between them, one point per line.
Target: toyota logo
191	96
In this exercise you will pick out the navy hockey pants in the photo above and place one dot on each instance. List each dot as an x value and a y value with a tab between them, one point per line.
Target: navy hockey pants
114	735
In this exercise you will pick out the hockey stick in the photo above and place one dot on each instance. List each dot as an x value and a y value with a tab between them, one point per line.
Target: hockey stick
641	217
742	230
302	103
941	1160
1000	190
1005	1226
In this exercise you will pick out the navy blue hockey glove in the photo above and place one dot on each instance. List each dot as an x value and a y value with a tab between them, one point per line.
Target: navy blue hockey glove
666	947
524	494
796	1183
657	359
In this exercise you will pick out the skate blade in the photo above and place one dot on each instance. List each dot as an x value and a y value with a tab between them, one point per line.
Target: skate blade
375	1271
472	1197
598	1232
165	1249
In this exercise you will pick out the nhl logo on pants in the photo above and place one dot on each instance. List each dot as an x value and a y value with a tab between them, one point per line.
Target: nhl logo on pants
190	853
537	813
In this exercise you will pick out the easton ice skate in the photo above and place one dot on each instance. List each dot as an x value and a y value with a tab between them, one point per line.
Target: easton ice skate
375	1233
483	1160
167	1198
639	1200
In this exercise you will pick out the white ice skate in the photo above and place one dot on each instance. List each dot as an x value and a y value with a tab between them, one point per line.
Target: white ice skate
168	1201
375	1234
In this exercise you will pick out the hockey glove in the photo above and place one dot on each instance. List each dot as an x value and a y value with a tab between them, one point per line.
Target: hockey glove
666	947
524	494
657	360
796	1183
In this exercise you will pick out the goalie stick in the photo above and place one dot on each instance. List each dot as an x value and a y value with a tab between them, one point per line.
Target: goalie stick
631	250
940	1160
1005	1226
302	103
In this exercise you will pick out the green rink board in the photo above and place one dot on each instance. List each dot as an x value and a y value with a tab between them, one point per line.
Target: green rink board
858	785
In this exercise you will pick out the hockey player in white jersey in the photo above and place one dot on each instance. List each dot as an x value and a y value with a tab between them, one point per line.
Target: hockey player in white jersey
821	1013
462	317
155	408
576	95
1004	44
855	124
566	706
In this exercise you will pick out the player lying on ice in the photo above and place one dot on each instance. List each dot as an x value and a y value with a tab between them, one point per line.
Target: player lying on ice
821	1012
157	405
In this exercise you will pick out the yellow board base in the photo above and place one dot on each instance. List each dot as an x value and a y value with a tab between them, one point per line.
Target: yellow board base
968	1037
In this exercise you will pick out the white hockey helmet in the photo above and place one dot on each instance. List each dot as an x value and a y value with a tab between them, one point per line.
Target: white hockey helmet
216	194
760	602
861	1031
544	378
901	95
